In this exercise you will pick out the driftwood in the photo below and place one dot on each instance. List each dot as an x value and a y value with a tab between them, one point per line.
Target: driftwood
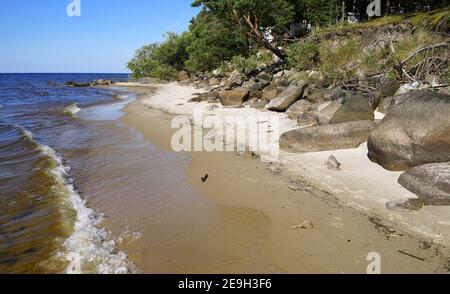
427	48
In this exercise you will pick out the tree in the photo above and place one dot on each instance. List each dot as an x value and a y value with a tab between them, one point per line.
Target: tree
254	18
213	41
161	60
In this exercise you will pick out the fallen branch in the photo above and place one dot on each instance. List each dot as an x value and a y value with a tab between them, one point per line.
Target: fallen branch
427	48
411	255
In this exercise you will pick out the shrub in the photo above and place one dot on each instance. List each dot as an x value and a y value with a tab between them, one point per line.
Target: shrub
339	61
303	56
250	64
161	60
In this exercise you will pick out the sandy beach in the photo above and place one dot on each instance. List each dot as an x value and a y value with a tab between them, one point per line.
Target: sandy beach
248	217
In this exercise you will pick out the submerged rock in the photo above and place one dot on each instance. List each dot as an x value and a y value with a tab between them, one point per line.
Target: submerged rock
430	182
415	131
77	84
328	137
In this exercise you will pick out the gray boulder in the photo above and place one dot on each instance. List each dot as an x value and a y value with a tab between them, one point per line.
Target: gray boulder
307	119
415	131
343	95
278	82
286	98
271	92
388	88
264	78
430	182
327	113
234	98
320	95
353	108
385	105
299	107
329	137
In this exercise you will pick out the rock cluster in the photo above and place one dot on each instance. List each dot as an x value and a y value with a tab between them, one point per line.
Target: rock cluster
414	135
94	83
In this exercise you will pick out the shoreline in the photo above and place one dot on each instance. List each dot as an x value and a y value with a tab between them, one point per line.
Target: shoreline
268	189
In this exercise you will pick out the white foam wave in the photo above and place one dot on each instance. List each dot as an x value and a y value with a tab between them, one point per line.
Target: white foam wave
89	245
72	109
122	97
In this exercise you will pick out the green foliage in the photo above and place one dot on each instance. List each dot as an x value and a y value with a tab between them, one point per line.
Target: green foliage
447	74
303	56
161	60
267	13
321	13
250	64
339	60
213	41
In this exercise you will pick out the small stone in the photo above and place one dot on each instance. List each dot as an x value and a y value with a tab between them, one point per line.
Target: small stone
405	205
306	225
333	163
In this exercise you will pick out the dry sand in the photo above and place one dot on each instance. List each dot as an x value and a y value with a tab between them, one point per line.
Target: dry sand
245	220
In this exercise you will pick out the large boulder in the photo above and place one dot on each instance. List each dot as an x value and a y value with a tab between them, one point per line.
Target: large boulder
271	92
388	88
353	108
307	119
286	98
320	95
344	95
252	85
278	82
326	112
299	107
385	105
329	137
415	131
264	78
430	182
234	98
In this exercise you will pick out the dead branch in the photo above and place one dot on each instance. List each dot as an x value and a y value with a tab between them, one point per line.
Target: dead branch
427	48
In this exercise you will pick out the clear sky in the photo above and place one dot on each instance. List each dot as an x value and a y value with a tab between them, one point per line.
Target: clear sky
39	36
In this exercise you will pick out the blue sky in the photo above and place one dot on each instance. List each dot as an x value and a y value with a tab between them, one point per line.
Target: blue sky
39	36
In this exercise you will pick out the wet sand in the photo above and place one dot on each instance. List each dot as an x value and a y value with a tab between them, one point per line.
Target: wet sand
241	220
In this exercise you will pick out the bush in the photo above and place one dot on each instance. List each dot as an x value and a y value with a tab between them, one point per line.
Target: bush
339	61
162	60
303	56
251	63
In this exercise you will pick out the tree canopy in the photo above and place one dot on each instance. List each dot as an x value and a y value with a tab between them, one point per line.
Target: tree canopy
224	29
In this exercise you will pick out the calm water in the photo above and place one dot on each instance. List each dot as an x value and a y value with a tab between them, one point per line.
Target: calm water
45	224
